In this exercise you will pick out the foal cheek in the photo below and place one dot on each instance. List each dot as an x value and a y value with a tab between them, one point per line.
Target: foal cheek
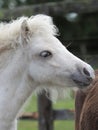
54	64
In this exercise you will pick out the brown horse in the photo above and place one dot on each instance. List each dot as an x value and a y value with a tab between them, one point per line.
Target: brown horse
86	104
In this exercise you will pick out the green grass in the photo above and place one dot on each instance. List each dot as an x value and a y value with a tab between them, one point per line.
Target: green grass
60	104
31	105
58	125
64	104
28	125
64	125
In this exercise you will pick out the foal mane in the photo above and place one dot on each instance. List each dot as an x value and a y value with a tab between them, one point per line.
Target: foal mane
38	25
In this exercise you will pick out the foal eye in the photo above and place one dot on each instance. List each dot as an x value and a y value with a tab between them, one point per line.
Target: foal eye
45	54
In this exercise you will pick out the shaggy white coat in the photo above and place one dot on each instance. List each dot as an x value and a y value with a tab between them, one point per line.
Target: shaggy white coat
23	69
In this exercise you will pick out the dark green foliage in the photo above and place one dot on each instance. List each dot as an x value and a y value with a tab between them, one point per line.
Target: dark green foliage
15	3
83	30
85	27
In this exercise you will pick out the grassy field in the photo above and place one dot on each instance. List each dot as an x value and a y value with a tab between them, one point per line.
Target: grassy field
60	104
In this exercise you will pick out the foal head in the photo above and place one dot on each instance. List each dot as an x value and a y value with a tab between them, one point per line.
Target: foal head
51	64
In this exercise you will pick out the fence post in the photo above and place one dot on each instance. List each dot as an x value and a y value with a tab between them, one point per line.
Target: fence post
45	112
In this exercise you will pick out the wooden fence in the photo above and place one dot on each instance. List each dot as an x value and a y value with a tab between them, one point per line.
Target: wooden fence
46	115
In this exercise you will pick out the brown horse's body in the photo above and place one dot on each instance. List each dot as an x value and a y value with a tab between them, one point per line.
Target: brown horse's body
87	107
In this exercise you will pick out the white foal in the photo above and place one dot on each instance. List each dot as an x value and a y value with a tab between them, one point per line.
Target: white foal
32	57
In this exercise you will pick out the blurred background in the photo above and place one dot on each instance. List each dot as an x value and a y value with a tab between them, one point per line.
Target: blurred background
77	21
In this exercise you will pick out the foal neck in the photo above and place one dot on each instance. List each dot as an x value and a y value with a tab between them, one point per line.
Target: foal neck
15	87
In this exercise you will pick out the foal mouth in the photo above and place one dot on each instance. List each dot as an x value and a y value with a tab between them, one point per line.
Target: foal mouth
81	83
82	79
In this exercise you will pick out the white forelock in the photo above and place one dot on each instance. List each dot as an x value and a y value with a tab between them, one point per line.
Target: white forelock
39	25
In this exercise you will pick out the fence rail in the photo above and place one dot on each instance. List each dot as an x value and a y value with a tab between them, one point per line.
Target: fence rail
46	115
62	114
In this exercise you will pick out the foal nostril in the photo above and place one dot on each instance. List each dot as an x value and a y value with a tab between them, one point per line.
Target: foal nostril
86	72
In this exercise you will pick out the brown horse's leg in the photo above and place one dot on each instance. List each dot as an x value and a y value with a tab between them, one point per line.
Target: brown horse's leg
79	101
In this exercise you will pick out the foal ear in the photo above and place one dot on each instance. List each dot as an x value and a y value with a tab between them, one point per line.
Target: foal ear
25	32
